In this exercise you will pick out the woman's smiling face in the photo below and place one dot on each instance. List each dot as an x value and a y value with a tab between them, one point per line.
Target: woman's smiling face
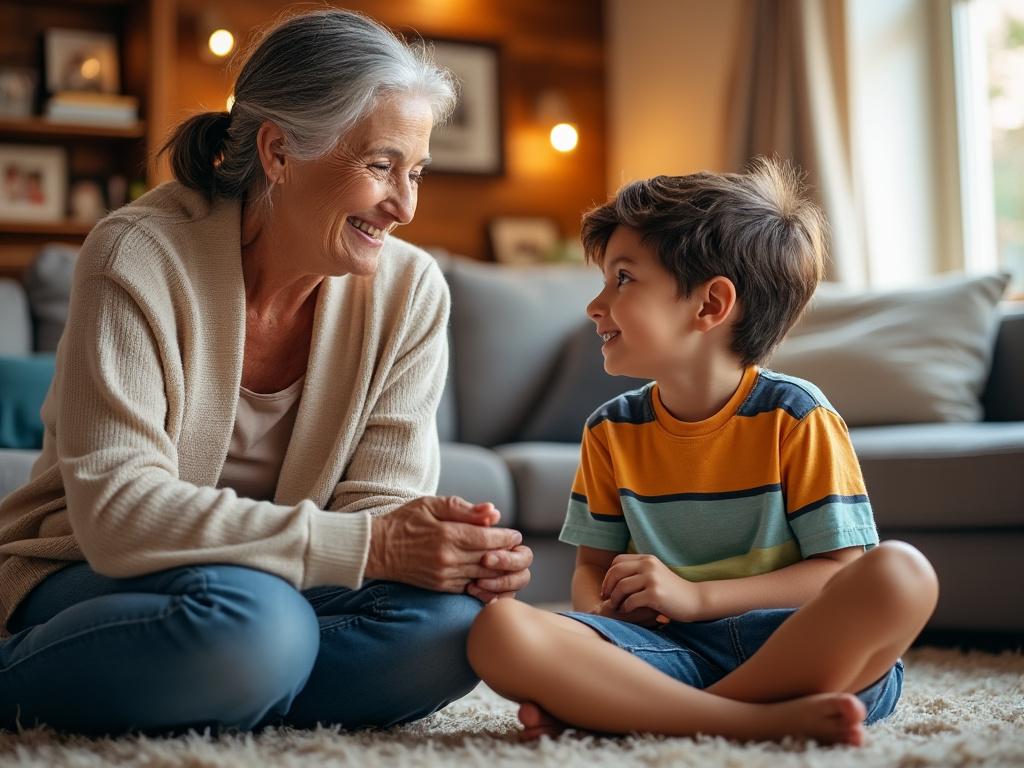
336	211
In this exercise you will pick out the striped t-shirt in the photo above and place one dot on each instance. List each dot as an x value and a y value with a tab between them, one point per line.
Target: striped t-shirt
770	479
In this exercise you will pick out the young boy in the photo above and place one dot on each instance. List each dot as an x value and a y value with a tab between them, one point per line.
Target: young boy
727	576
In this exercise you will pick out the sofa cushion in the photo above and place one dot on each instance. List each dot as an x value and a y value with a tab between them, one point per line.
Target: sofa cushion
979	464
944	476
48	283
15	467
508	326
447	415
977	570
904	356
15	321
1004	392
477	474
580	385
543	474
447	409
24	382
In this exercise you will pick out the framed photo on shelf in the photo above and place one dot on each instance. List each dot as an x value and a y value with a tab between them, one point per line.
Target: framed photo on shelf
33	183
518	240
17	91
80	60
471	141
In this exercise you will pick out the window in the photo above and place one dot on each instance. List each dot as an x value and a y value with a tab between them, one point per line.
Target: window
988	40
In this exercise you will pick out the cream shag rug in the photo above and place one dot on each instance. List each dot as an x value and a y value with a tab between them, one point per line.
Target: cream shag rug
957	709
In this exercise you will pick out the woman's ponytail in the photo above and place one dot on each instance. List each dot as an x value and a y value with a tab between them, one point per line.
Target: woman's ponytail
195	147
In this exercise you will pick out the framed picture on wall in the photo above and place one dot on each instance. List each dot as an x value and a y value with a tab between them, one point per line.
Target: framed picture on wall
33	183
518	240
471	141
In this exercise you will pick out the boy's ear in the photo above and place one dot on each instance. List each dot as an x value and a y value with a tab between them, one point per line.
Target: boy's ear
718	299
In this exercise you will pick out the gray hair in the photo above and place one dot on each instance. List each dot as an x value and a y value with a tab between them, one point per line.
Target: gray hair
314	75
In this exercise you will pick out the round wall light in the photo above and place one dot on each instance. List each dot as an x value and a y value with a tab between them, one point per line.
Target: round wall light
564	137
221	42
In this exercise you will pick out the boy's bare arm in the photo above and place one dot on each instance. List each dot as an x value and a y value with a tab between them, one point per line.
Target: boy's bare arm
641	581
591	566
788	587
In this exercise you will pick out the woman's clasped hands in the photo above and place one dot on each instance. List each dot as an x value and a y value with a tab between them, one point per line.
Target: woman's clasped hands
447	544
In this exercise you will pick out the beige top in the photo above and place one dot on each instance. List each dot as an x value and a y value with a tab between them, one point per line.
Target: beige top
139	417
263	427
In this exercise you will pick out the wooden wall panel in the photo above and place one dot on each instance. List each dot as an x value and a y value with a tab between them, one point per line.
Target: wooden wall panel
543	44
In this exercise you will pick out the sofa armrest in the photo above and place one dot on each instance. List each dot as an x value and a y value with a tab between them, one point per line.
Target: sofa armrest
1003	397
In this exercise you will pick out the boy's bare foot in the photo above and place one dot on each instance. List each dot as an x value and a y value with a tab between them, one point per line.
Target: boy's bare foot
536	722
828	718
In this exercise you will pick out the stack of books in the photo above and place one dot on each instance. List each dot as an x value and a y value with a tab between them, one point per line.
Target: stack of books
93	108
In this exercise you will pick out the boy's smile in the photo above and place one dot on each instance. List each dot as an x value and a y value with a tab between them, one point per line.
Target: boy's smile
640	316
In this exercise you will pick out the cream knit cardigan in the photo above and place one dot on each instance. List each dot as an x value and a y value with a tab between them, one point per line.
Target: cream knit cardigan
140	414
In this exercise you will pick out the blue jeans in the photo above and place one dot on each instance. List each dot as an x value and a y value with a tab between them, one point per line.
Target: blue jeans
701	653
229	647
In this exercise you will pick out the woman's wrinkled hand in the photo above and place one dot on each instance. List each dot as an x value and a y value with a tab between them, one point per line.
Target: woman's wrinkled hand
446	544
513	574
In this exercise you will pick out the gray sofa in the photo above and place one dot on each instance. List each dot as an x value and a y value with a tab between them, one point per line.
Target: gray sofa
514	407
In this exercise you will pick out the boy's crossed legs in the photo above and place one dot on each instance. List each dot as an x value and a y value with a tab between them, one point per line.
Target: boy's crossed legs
800	682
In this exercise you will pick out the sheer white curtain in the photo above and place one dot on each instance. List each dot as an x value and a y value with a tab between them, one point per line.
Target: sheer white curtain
790	100
859	93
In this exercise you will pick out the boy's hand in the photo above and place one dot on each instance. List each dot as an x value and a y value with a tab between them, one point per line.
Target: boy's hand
643	582
644	617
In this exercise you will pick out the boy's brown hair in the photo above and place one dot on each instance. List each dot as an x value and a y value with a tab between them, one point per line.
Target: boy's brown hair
755	228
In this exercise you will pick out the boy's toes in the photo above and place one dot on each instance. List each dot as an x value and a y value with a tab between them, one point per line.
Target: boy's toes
849	709
536	722
532	734
847	714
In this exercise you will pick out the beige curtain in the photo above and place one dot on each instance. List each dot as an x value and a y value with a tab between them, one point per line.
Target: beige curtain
790	100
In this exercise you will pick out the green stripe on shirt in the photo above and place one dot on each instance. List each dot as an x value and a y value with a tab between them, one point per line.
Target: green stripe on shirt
706	530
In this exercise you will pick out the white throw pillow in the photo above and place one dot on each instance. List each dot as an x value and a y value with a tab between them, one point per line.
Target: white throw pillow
900	356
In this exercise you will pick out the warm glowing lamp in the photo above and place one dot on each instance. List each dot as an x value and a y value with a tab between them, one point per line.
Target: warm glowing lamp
553	109
221	42
230	102
564	137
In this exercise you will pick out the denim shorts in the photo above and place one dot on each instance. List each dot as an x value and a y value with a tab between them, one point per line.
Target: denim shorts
701	653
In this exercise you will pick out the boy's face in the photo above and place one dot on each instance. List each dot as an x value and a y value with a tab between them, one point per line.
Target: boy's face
645	324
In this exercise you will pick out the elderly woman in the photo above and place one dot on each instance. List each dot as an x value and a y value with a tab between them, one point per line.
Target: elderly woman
231	522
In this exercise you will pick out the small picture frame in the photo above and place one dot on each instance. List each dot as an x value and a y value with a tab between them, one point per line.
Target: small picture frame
33	183
81	60
471	141
17	91
519	240
85	201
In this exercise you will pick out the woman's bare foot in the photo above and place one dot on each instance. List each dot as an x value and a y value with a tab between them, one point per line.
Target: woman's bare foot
536	722
828	718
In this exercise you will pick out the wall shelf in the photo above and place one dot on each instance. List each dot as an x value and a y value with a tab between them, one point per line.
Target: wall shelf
38	127
64	228
146	31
